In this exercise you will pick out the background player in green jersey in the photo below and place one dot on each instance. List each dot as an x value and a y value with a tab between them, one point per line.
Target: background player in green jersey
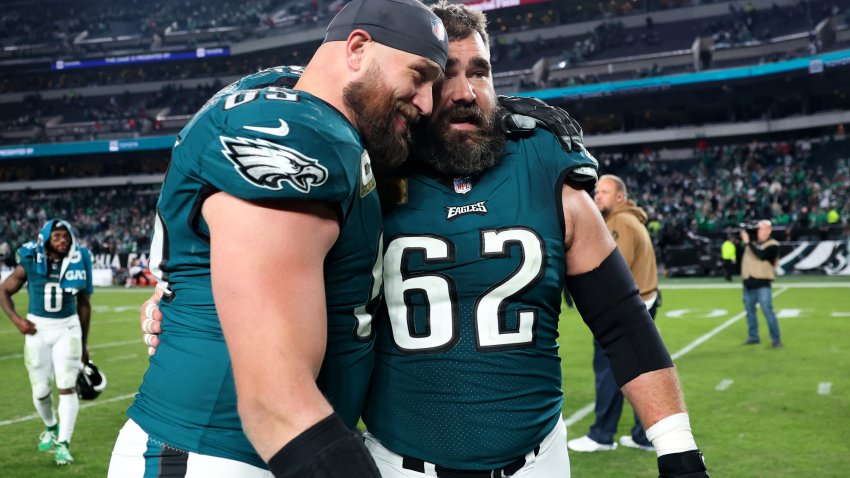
484	236
58	274
267	238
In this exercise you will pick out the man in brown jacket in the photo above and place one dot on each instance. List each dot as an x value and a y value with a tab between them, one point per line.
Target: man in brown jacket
627	224
758	269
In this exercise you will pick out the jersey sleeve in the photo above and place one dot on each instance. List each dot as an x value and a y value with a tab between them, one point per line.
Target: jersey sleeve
86	258
579	167
25	256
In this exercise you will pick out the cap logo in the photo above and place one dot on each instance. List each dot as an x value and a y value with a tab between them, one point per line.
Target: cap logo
438	29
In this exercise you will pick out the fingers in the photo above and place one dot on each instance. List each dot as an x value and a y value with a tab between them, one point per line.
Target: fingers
152	341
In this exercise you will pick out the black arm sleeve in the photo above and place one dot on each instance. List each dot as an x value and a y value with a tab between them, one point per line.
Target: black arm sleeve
328	449
608	300
769	253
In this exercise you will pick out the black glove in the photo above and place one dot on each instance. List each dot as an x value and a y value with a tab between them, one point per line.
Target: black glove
520	114
688	464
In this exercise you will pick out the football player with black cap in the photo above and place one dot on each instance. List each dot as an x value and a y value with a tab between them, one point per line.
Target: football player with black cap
266	245
458	338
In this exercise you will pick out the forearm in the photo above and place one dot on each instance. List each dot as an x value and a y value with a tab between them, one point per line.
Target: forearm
8	305
655	395
84	312
766	254
275	325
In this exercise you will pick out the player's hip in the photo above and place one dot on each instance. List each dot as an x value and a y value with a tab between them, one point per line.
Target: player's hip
137	454
52	331
548	459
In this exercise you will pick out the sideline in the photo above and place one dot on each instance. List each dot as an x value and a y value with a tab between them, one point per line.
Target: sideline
588	409
738	285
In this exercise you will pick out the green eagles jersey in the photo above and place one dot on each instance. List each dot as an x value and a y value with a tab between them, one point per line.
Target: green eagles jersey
256	141
467	373
48	298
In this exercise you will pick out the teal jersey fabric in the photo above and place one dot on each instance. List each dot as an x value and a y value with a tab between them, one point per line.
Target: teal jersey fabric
47	298
256	141
467	373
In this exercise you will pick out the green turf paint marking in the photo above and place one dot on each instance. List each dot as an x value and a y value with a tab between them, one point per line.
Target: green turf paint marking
587	409
724	384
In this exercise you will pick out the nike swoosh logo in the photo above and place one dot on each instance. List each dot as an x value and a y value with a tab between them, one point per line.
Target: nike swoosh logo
281	130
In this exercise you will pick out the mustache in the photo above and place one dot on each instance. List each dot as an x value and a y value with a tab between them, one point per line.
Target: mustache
470	113
409	111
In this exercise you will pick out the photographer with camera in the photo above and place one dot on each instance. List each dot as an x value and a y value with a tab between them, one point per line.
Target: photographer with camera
758	268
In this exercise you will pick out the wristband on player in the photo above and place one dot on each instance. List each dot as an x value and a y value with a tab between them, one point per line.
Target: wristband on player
672	435
678	455
328	449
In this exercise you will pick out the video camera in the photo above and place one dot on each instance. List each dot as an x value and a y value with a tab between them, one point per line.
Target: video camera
750	227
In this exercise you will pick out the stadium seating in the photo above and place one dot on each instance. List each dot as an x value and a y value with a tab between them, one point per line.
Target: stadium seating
701	157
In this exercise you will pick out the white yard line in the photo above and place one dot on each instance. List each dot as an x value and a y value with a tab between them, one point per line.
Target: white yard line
824	388
724	384
91	347
82	405
588	409
738	285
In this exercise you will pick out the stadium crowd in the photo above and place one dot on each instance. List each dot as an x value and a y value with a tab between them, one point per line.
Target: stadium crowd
107	220
609	39
803	186
804	189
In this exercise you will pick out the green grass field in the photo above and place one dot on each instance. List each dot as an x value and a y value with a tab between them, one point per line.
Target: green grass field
775	417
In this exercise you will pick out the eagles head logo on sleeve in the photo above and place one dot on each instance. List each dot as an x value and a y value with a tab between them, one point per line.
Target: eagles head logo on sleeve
269	165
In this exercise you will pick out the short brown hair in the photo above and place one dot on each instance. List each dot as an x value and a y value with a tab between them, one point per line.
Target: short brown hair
621	185
461	21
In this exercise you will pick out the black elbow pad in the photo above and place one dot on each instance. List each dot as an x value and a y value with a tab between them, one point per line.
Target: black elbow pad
609	303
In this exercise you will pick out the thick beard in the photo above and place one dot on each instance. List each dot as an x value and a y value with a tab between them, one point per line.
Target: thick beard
375	109
454	153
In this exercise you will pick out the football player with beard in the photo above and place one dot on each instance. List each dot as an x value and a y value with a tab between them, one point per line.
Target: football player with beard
58	274
267	247
482	234
485	233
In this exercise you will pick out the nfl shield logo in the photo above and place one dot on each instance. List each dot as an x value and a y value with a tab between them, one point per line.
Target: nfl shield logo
437	29
462	185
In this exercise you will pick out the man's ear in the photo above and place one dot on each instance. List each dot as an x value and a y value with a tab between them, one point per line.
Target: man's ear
355	48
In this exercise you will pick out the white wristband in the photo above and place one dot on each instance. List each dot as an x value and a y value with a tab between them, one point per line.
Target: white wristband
672	435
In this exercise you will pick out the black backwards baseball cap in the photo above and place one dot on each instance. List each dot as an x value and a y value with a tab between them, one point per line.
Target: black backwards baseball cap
405	25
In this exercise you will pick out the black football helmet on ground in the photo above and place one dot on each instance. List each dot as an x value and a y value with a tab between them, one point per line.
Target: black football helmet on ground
90	381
